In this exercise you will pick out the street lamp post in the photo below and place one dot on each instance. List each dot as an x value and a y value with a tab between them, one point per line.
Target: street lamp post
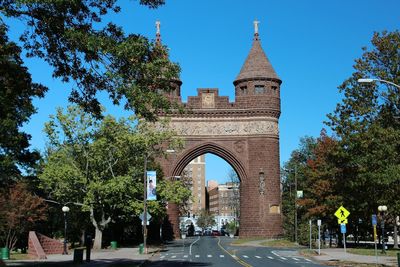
65	209
382	210
370	80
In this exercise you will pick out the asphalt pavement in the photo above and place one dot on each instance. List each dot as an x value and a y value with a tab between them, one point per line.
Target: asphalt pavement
212	251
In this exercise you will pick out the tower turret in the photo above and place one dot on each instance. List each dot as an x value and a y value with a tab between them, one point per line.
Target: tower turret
176	83
257	82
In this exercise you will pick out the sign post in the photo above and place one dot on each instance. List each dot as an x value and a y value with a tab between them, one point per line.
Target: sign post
343	231
319	236
310	234
374	223
342	215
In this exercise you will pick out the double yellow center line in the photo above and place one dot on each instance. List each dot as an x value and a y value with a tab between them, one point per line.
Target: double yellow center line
233	256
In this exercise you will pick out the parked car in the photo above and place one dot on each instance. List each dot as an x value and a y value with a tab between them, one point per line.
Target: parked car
207	231
198	232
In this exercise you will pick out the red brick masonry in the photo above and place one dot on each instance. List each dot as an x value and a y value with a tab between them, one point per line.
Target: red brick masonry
40	245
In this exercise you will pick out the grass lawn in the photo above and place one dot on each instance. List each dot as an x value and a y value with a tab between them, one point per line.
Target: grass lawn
371	252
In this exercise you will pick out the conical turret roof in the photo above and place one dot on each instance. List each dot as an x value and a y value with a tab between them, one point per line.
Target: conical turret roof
257	64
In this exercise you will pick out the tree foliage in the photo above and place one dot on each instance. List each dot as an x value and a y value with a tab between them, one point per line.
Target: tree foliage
16	93
360	166
98	164
93	55
205	219
20	210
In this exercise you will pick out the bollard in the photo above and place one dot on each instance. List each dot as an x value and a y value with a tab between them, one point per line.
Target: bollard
141	248
88	243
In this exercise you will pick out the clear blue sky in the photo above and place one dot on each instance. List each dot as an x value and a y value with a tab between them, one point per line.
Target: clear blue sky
311	44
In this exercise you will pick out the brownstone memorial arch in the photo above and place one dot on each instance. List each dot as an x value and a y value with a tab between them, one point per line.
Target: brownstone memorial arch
244	133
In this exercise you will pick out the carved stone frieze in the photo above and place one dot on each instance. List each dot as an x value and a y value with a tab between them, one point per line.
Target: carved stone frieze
215	127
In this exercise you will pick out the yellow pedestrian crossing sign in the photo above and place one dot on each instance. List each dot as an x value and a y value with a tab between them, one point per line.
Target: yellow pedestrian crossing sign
340	221
342	213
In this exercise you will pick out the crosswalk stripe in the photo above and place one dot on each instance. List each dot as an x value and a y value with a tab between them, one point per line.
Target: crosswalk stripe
296	259
209	256
173	257
308	260
283	258
185	256
271	258
162	257
221	256
197	256
244	256
258	257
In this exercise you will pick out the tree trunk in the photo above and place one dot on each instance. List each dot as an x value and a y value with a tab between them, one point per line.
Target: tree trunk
98	238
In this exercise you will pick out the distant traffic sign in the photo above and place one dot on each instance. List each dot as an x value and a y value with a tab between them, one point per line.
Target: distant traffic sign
343	228
374	219
342	213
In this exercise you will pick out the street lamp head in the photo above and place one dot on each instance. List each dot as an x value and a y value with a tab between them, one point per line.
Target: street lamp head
65	209
382	208
365	80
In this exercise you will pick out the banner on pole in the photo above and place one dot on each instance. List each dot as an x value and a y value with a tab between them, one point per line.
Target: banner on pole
151	185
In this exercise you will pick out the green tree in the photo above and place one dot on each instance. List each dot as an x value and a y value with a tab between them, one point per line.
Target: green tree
294	176
16	93
205	219
93	56
98	164
368	128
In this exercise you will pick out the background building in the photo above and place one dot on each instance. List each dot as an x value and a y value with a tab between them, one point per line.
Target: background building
196	170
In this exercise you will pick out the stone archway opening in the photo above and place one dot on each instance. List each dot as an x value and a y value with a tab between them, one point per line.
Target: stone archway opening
215	188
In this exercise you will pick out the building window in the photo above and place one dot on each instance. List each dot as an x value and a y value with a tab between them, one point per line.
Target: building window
274	89
259	89
243	90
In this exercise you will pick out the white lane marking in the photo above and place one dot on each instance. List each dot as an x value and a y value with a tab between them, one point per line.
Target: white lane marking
221	256
209	256
245	256
296	259
185	256
308	260
173	257
283	258
197	256
271	258
190	247
258	257
162	257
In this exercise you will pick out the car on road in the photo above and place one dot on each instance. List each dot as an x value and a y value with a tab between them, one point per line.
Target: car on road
215	233
207	231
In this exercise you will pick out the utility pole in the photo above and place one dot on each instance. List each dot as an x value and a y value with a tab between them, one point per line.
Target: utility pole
295	204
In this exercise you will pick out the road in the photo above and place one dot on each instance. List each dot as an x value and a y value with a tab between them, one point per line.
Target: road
217	251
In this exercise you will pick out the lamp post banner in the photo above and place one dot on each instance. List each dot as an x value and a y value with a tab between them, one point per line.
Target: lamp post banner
151	185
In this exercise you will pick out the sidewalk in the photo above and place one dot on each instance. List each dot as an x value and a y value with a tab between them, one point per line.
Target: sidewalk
337	254
97	258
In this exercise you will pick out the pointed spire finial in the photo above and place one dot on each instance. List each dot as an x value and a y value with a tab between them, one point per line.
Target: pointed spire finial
256	22
158	34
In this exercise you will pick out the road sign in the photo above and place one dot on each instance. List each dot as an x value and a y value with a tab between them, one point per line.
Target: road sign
374	220
319	222
141	216
340	221
343	228
342	213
